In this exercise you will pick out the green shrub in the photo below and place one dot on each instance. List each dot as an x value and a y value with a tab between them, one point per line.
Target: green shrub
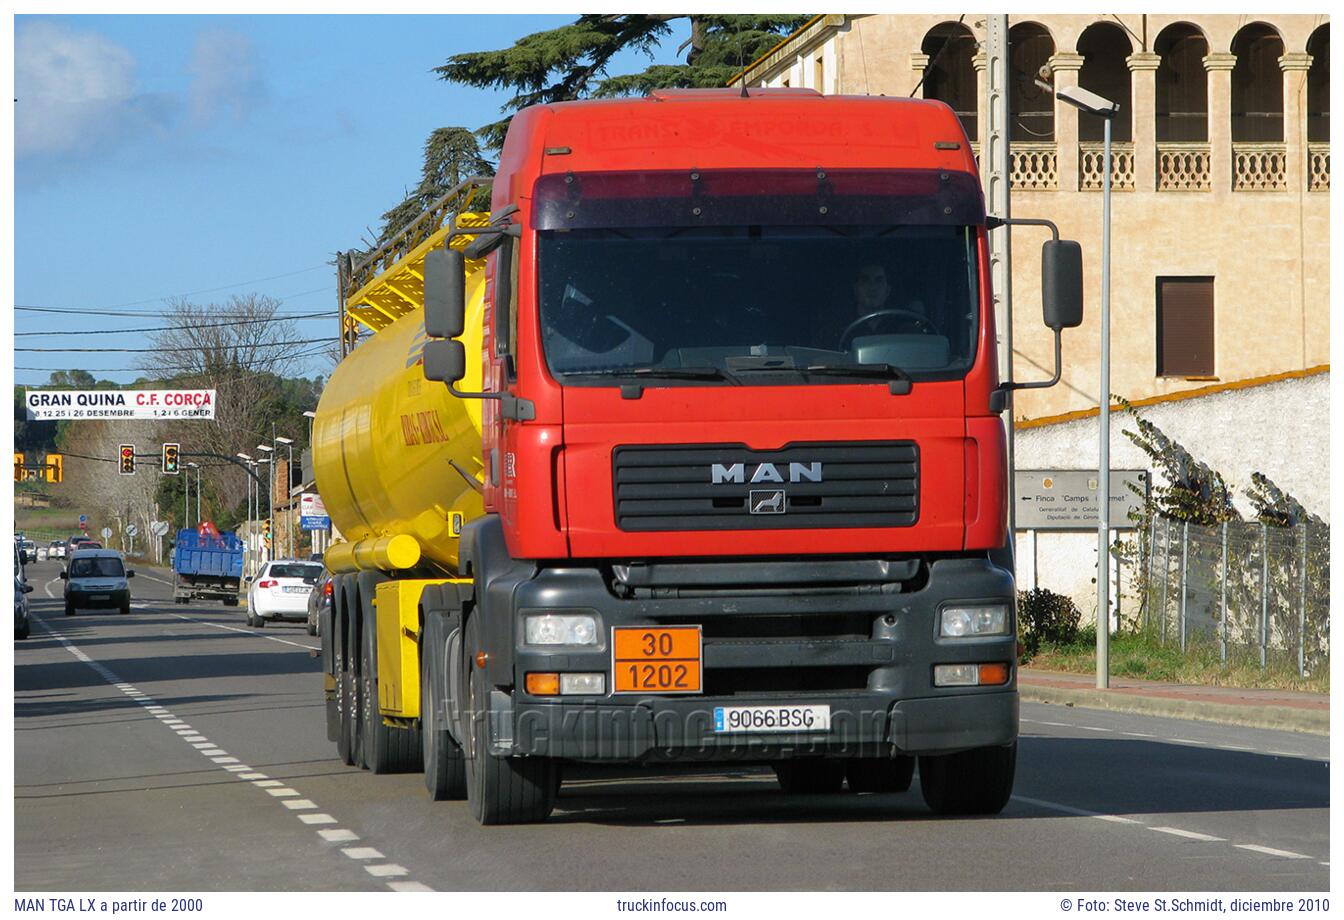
1046	617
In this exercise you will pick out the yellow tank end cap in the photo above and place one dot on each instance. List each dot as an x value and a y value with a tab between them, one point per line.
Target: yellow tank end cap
402	551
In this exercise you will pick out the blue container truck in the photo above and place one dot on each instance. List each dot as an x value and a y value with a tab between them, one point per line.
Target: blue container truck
207	567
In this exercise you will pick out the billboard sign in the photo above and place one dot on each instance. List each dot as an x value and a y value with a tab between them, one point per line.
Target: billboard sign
43	405
312	512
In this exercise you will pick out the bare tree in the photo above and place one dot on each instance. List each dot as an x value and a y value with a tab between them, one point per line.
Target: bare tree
92	477
239	349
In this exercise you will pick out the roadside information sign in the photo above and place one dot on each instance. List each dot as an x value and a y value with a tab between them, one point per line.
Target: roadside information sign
1067	499
312	512
107	533
43	405
132	530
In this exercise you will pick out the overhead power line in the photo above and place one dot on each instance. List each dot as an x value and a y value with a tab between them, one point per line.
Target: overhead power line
185	348
330	314
222	287
100	311
327	345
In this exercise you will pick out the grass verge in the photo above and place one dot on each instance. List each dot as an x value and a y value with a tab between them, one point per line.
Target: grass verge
1143	656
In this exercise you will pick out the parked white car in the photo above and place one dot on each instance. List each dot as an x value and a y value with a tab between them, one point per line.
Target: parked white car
280	591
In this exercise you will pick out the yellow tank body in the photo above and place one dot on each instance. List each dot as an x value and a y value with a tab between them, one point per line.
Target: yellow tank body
390	448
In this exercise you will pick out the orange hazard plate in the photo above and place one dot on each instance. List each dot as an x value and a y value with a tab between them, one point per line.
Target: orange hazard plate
656	659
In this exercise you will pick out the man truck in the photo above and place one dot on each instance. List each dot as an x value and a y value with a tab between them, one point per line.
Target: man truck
629	473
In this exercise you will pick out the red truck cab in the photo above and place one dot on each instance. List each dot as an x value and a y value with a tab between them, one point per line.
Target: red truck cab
746	486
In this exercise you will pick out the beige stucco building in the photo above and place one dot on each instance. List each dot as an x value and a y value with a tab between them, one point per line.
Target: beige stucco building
1221	176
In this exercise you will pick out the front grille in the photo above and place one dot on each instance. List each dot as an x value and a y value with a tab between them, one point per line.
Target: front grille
849	626
862	484
793	682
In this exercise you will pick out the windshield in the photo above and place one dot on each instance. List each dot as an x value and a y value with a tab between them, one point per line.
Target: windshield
97	567
306	572
758	304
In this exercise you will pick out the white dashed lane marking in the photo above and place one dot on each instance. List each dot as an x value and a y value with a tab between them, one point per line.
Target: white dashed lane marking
1270	851
1191	835
391	873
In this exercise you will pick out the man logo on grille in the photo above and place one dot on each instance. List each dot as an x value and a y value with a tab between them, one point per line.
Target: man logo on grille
766	501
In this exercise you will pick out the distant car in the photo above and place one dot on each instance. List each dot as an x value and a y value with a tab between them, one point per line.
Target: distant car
56	550
280	591
73	542
318	601
97	578
30	549
42	554
21	591
90	544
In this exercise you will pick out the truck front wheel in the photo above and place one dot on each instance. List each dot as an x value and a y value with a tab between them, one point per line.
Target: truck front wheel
974	782
500	790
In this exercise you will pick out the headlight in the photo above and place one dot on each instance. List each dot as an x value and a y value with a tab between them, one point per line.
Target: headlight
560	629
966	622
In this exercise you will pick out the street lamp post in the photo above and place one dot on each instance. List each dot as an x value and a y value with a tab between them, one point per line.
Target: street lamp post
250	464
197	468
1093	104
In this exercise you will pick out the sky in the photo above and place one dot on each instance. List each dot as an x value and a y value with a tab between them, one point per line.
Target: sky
161	156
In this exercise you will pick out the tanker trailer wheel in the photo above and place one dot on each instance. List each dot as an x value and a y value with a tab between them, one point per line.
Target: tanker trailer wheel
974	782
880	774
500	790
445	766
386	749
345	697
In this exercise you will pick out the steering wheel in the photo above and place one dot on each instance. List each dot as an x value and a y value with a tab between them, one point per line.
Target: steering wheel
928	328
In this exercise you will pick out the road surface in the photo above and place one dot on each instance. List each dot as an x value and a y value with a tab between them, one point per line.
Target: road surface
176	749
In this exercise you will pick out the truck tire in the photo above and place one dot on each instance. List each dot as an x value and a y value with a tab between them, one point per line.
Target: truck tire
345	742
125	609
386	749
230	602
974	782
500	790
444	764
880	774
21	632
810	776
69	610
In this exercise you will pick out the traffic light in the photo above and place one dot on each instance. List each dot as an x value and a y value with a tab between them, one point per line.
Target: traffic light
55	468
127	454
266	531
170	459
18	466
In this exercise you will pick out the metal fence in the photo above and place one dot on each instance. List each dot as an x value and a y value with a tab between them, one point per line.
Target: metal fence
1255	592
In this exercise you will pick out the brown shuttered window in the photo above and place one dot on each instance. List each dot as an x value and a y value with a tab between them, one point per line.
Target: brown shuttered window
1185	327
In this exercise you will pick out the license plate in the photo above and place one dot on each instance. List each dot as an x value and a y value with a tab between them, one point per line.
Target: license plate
100	597
298	589
656	659
772	719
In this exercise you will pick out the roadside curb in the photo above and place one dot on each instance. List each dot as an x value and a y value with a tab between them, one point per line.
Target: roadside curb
1283	718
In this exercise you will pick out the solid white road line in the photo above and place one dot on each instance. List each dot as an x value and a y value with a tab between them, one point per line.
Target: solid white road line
248	632
1188	834
1270	851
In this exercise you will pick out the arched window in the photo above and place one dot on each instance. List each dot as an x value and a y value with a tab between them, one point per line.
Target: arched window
1182	85
1318	86
1104	48
1257	85
950	75
1033	109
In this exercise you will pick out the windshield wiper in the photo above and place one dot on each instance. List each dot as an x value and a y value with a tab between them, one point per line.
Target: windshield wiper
669	373
900	380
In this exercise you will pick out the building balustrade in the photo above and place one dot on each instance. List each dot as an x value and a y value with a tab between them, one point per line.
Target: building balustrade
1318	167
1090	166
1184	167
1259	167
1033	167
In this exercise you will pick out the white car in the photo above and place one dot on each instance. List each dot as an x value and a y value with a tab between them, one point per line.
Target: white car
280	591
56	549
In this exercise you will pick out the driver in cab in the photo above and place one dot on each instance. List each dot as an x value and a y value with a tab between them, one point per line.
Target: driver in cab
873	310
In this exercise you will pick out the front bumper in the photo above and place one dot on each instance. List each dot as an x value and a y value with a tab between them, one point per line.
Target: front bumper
97	599
869	656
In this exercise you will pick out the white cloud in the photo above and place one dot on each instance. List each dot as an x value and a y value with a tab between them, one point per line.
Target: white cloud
225	76
76	92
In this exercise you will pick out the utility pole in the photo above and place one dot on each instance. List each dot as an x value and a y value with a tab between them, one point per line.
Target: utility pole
998	191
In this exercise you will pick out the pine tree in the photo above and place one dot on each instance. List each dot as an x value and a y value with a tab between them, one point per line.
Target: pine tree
570	62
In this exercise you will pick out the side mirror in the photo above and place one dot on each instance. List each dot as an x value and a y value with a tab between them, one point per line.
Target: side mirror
1062	284
130	573
65	574
445	360
27	588
445	293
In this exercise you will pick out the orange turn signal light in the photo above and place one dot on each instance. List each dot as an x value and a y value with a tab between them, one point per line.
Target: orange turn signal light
542	683
993	674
